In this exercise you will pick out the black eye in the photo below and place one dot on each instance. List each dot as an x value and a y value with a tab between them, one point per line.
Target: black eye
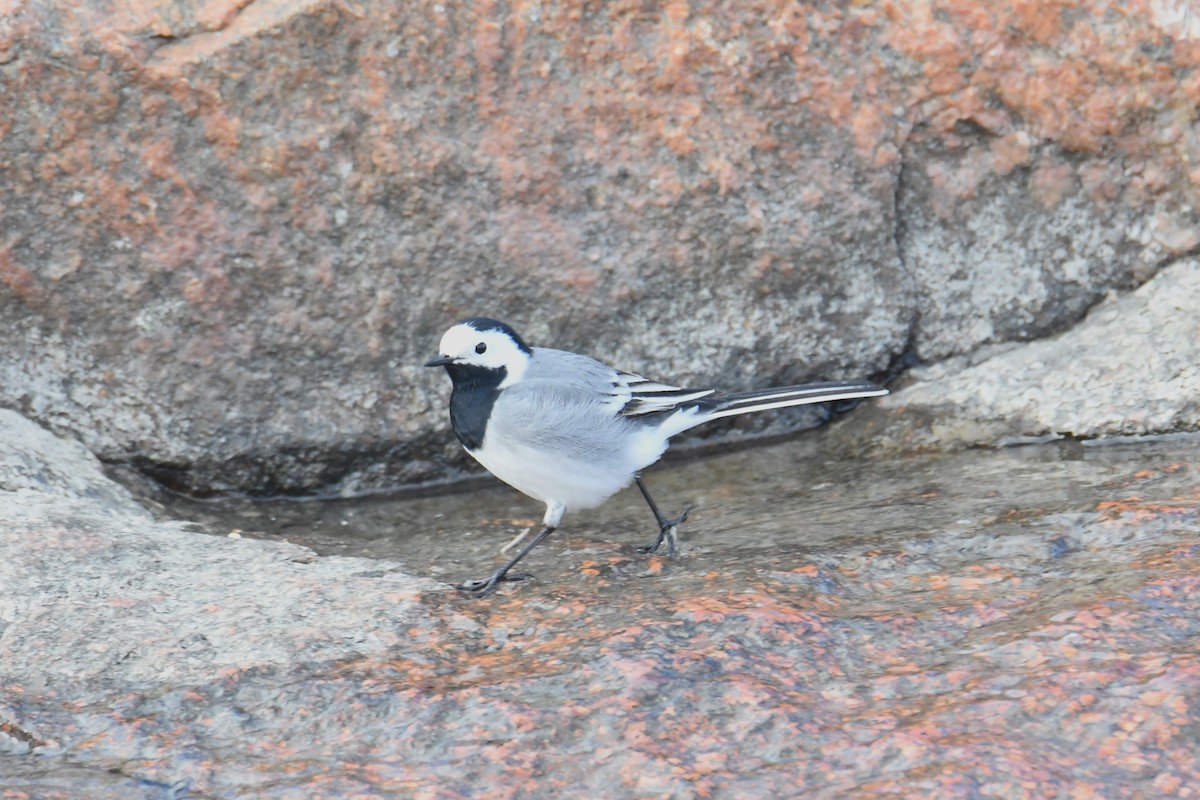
481	348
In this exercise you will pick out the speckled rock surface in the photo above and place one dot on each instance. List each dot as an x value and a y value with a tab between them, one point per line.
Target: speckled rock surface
96	592
31	459
231	231
1022	623
1131	368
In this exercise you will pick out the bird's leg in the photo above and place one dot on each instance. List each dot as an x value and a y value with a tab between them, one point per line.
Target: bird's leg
488	585
554	514
667	528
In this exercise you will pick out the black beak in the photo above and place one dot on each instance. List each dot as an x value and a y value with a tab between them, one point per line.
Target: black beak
439	361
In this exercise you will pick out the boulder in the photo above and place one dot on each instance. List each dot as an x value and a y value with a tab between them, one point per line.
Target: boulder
233	231
1128	369
100	593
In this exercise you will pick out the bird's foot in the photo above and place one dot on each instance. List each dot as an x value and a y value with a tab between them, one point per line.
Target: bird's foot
489	584
667	532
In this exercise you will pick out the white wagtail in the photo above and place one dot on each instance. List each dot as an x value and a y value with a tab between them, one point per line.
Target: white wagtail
572	432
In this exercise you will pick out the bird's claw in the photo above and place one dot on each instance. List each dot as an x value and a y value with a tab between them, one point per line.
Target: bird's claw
668	532
489	584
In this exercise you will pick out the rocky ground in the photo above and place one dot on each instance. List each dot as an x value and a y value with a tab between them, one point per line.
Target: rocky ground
1017	623
231	232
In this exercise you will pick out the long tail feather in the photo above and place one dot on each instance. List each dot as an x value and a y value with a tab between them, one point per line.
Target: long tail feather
730	405
705	409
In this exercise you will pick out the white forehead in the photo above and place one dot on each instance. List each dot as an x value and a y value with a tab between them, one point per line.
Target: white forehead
462	338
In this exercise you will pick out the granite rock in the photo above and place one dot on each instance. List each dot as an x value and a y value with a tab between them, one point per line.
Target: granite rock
1128	369
1037	638
232	231
97	592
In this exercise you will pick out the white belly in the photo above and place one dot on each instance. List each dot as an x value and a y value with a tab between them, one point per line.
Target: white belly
560	478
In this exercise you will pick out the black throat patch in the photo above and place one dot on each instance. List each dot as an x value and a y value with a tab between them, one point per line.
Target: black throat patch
475	392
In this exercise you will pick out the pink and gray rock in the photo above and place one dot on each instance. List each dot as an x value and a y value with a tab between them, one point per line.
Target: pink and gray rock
1129	368
230	232
96	590
985	623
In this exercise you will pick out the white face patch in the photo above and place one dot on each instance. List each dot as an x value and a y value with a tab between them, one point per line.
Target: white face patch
464	344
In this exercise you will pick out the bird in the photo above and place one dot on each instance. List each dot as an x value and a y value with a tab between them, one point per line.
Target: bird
570	431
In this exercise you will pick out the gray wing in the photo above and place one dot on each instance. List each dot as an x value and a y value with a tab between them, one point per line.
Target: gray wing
620	393
574	402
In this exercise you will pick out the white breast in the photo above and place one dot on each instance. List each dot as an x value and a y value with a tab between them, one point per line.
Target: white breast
558	475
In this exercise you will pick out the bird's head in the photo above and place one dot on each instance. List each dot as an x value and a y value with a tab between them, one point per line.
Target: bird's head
482	346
